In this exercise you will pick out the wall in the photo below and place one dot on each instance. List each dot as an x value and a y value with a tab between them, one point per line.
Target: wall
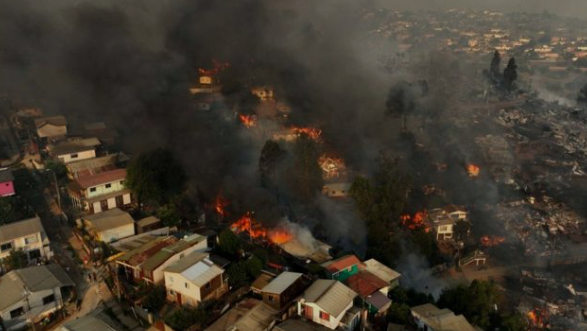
344	274
49	130
176	282
67	158
158	273
117	233
332	323
38	310
115	186
6	189
20	243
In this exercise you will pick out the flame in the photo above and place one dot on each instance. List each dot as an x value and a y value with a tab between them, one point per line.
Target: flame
217	67
247	120
489	241
331	166
257	231
310	132
416	222
532	317
220	204
537	318
473	170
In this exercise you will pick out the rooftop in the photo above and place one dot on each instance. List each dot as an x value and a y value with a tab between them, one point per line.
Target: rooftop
166	253
341	263
142	254
6	175
72	146
110	219
20	229
442	319
298	324
101	178
258	318
93	166
330	295
365	283
381	270
282	282
53	120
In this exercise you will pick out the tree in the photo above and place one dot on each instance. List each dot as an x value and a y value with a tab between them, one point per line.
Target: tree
476	302
185	318
16	259
254	266
400	102
155	177
510	74
155	298
7	212
582	97
229	243
237	275
461	229
169	215
514	322
58	168
271	156
494	68
399	314
306	174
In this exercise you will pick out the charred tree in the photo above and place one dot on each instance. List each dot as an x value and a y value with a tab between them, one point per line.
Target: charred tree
510	74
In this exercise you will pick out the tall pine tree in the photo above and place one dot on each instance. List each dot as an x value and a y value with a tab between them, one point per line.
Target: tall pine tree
510	74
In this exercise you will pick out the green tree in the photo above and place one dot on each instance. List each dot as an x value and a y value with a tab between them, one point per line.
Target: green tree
185	318
155	177
510	74
155	298
582	97
399	313
169	215
58	168
462	229
494	68
426	244
254	266
237	275
229	243
306	174
7	211
271	155
514	322
16	259
400	102
476	302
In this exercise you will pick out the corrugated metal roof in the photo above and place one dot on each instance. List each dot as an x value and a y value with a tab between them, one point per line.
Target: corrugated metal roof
90	323
139	255
365	283
6	176
74	145
20	229
53	120
381	270
282	282
341	263
101	178
166	253
90	165
202	272
330	295
442	319
110	219
188	261
257	319
298	324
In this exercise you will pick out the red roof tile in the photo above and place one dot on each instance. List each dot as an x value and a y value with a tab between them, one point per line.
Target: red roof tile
342	263
102	178
365	283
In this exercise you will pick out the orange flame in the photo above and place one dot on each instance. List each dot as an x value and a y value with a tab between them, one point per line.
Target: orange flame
310	132
247	120
416	222
537	318
257	231
220	204
280	236
473	170
331	166
217	66
489	241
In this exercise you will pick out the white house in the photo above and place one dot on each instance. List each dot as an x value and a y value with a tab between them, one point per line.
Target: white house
329	302
26	235
444	219
30	294
429	317
336	190
110	225
50	127
74	149
193	279
100	192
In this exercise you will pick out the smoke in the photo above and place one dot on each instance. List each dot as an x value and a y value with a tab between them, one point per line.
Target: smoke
344	226
417	274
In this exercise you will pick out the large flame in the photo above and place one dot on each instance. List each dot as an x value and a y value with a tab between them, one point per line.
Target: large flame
537	318
280	236
416	222
310	132
332	167
489	241
247	120
220	204
473	170
257	231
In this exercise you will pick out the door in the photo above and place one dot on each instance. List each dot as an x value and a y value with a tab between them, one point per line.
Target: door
178	298
308	312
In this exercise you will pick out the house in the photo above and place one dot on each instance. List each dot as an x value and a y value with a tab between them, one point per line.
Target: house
153	267
94	166
147	224
103	191
372	290
429	317
95	321
264	93
383	272
27	235
248	314
6	183
298	324
133	260
342	268
51	127
109	226
193	279
443	220
456	212
329	303
30	294
263	280
73	149
280	293
336	190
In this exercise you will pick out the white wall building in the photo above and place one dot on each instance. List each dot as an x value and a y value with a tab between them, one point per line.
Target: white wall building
327	302
26	235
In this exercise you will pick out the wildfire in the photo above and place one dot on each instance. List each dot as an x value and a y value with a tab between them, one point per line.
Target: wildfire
247	120
217	66
416	222
537	318
257	231
310	132
220	204
473	170
331	166
489	241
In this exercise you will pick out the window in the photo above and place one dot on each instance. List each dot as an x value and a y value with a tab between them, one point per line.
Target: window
187	285
74	156
5	247
34	254
31	240
171	279
171	292
324	316
17	312
108	185
48	299
271	298
92	189
208	285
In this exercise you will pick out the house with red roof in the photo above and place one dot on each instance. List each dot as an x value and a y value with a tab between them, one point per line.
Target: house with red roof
342	268
100	192
372	291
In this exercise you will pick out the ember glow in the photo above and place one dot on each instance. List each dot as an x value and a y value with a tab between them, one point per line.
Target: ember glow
537	318
473	170
310	132
490	241
280	236
416	222
216	68
247	120
220	204
332	167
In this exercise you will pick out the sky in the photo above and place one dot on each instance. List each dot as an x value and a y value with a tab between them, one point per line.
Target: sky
575	8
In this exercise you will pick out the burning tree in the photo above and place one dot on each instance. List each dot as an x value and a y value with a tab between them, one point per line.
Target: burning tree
332	167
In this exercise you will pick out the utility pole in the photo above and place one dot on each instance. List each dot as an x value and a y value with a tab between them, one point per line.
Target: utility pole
27	293
57	189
